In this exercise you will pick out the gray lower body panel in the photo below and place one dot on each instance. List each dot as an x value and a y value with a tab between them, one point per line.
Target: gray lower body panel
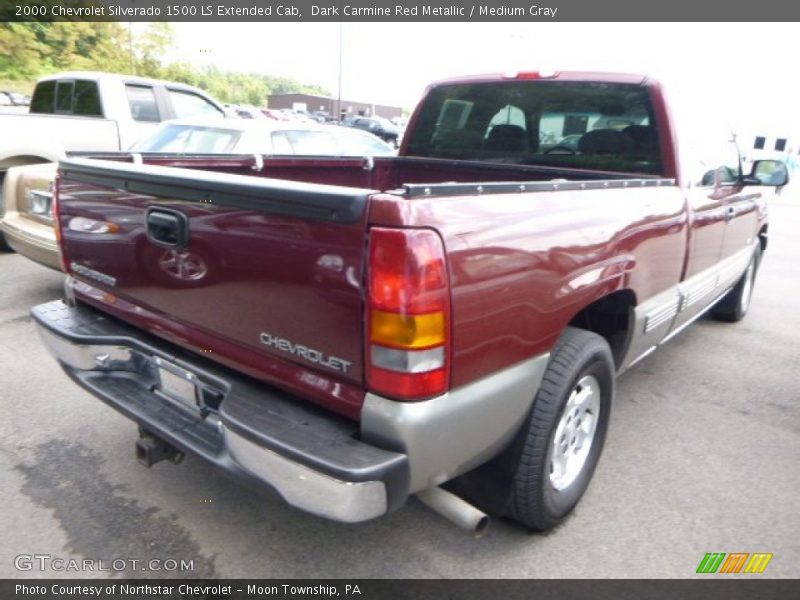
448	435
659	318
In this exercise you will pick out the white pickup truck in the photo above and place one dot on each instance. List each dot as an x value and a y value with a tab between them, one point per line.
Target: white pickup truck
82	110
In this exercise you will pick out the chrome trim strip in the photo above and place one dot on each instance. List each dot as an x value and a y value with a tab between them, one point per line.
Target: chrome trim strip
457	431
696	291
683	326
661	315
87	357
307	489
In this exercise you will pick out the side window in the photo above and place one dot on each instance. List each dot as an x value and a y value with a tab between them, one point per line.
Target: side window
187	104
44	98
87	99
64	91
281	143
142	101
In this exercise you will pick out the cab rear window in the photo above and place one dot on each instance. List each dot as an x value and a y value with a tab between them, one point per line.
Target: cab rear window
44	98
583	125
67	97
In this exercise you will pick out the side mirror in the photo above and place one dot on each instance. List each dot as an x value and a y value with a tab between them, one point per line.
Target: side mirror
768	172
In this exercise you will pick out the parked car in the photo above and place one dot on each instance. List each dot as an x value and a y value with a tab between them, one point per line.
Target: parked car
300	116
275	115
20	99
28	220
263	136
322	116
14	99
247	111
92	111
351	333
383	128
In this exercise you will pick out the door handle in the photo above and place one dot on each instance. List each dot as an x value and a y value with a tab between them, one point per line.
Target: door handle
167	228
730	212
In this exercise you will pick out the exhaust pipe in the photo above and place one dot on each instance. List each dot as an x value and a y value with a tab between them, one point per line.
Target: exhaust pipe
455	510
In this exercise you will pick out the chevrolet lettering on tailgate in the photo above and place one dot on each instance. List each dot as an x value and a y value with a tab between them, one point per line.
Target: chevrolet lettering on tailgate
309	354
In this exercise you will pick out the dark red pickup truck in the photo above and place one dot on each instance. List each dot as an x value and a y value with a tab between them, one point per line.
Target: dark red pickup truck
352	332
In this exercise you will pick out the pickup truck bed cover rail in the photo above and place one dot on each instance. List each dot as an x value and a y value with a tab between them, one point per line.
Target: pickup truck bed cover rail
507	187
298	199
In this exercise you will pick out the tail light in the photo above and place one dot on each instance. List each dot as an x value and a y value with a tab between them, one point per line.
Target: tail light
408	314
57	223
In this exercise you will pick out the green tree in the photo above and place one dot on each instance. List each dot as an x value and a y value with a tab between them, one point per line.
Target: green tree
20	51
30	50
150	46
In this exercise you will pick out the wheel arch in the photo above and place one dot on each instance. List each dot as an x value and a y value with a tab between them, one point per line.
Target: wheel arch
611	316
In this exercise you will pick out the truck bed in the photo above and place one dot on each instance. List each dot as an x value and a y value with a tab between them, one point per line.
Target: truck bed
270	279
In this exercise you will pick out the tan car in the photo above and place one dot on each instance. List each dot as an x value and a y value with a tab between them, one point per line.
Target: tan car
27	222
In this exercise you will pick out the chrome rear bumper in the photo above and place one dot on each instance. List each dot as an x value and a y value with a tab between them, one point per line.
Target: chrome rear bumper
312	458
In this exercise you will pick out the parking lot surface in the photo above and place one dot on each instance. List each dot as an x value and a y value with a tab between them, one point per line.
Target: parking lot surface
703	455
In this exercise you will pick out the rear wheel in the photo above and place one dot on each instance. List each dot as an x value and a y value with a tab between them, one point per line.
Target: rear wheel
4	247
735	304
566	431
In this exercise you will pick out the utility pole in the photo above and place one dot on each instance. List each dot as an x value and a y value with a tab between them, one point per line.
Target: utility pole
130	47
339	96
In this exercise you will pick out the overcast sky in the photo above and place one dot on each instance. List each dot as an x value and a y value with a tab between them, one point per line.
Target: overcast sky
745	71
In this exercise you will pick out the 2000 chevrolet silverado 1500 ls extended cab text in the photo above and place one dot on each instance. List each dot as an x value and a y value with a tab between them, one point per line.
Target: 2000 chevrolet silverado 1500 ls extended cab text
352	332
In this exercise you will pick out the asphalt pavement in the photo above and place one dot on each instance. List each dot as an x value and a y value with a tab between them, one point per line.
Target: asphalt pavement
703	455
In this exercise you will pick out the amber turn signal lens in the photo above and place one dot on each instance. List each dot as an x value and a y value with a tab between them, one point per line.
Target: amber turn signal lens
407	331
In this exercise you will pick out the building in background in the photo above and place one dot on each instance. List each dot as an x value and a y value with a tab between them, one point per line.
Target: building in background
312	104
770	143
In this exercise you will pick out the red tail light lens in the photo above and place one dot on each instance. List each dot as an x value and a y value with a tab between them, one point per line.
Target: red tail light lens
408	314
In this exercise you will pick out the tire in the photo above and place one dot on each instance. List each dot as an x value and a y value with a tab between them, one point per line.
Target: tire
4	247
545	489
735	304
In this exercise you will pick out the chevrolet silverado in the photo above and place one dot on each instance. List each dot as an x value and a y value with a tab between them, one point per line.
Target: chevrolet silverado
448	323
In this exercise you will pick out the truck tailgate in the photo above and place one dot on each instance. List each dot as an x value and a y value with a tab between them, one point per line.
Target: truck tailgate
258	273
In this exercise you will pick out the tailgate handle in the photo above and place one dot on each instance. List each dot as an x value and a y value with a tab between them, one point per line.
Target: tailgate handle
167	228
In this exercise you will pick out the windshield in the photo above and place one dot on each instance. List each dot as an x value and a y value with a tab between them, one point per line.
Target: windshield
190	139
334	142
598	126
